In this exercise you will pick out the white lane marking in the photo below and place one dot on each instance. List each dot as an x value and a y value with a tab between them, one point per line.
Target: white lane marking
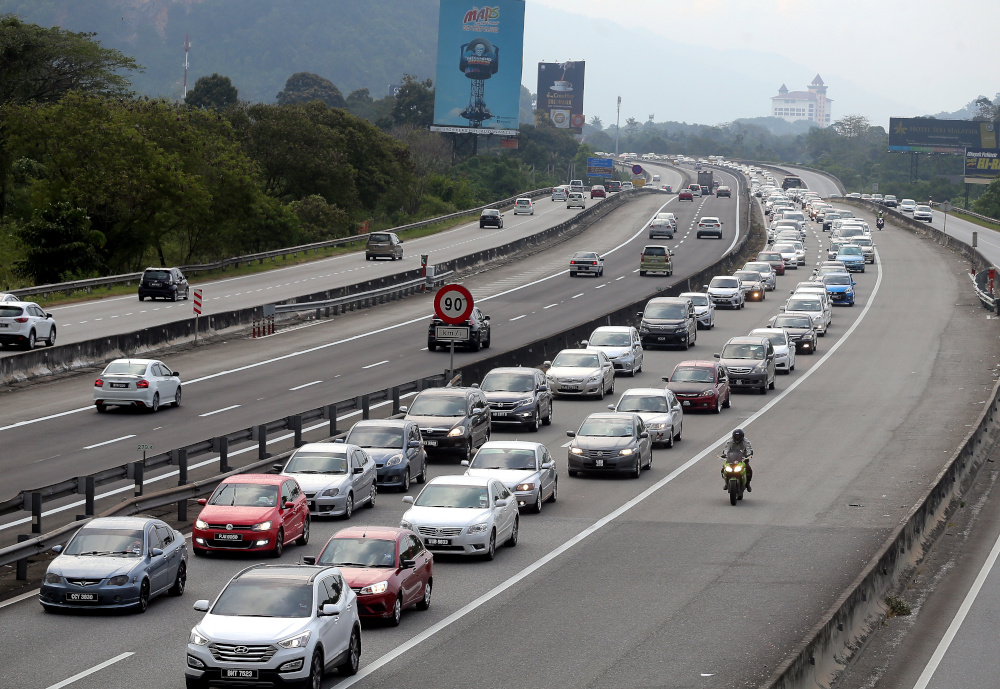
517	318
18	599
604	521
566	444
959	619
619	278
108	442
219	411
577	295
550	306
379	363
305	385
87	673
604	285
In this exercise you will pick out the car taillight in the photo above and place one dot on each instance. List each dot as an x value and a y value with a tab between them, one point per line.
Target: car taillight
143	384
98	383
20	320
572	263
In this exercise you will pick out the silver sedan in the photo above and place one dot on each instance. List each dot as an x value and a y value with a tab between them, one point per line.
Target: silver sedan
526	469
659	408
580	372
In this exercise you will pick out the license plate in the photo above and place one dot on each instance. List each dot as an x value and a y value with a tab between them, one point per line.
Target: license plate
738	382
501	413
437	541
431	443
229	673
567	388
4	325
228	537
119	385
686	403
660	339
598	462
81	598
154	284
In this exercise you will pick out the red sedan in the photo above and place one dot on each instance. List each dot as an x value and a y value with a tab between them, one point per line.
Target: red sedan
774	258
388	568
598	192
253	513
685	195
700	385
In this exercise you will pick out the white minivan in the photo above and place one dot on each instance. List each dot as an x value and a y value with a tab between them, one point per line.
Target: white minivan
576	200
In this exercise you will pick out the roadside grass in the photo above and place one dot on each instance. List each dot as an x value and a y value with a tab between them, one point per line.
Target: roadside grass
989	225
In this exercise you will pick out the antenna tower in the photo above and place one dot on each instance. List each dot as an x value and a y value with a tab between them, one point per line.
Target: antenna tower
187	45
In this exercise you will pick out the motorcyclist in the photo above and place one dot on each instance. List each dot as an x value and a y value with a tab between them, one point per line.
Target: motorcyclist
738	443
881	220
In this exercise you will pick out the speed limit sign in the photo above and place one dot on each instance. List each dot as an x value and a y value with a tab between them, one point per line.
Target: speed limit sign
453	304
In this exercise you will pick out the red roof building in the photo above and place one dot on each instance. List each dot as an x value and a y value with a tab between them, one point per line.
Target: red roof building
810	105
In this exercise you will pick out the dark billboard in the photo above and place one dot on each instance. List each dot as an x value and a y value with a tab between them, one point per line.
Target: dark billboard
982	165
928	135
560	93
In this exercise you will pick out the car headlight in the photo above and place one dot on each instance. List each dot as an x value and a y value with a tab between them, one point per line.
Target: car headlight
576	450
707	393
119	580
196	638
524	486
525	402
596	377
297	641
656	426
394	460
626	451
380	587
52	578
330	493
199	524
479	528
263	526
403	524
643	325
455	432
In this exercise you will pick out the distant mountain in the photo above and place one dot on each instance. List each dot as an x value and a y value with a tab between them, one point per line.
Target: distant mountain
256	43
965	113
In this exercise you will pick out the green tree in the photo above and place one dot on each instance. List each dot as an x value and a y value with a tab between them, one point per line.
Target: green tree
988	203
414	102
61	245
215	92
596	123
305	87
319	220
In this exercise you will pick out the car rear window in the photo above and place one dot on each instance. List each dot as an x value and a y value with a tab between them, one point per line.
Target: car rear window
156	275
379	238
124	368
10	311
654	251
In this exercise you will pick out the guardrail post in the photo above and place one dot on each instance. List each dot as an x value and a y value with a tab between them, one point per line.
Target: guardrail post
331	413
295	421
88	504
366	411
36	512
22	565
223	442
395	399
262	442
137	470
182	479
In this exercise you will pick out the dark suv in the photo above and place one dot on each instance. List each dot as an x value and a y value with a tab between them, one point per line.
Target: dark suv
749	361
667	321
477	325
166	283
613	185
452	421
518	396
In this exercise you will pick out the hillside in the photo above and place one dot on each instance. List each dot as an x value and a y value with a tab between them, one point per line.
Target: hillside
257	43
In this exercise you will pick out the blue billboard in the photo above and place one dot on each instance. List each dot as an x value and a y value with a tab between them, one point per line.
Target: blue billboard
599	167
478	86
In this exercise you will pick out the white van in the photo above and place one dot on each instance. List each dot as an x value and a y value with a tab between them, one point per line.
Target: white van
656	178
576	185
576	200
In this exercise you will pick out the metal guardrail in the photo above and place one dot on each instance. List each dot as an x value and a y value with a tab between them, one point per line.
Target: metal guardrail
363	299
962	211
128	278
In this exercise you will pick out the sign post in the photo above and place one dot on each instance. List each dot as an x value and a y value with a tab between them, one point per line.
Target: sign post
196	305
946	207
453	305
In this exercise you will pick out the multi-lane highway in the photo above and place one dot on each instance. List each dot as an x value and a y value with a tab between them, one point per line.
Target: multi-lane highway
656	582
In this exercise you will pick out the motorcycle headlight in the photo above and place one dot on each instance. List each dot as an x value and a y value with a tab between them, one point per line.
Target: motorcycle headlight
330	493
524	486
625	451
52	578
479	528
380	587
196	638
737	469
119	580
199	524
729	469
297	641
263	526
455	432
394	460
403	524
576	450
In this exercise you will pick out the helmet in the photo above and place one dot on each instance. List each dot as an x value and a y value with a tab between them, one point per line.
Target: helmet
738	435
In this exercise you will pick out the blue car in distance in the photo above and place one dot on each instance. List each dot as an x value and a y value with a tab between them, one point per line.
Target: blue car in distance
116	562
852	256
840	287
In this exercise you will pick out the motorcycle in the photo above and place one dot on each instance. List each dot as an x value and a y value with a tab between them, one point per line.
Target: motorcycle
735	470
880	223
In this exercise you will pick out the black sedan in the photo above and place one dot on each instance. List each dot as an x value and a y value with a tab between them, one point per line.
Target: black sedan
453	421
800	331
474	333
610	443
491	218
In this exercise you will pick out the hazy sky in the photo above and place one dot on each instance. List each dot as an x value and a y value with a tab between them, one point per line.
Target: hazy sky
921	56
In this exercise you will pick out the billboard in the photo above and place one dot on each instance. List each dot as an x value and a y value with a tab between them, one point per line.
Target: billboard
982	165
599	167
478	87
560	93
928	135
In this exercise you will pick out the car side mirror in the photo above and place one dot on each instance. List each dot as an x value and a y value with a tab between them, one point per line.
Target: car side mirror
357	470
548	465
408	499
717	355
48	315
705	287
546	364
665	379
176	374
781	309
308	559
57	549
202	501
288	505
611	407
502	502
277	467
478	410
414	444
465	462
403	409
329	610
570	434
644	434
543	388
584	343
340	440
486	318
200	605
155	552
407	564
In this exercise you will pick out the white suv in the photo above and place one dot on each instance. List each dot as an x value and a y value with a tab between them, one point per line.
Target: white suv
277	624
24	323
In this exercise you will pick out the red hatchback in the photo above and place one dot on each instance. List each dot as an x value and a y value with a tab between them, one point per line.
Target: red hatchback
685	195
253	513
700	385
388	568
775	259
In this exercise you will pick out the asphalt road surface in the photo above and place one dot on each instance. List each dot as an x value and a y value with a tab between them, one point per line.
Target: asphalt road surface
625	583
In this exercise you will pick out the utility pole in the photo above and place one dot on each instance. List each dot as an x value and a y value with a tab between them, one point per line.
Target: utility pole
618	124
187	45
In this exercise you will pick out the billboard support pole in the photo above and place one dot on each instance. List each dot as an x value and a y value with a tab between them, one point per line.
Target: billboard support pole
618	128
966	196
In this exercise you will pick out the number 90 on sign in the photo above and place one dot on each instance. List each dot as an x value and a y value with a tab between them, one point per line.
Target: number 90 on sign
453	304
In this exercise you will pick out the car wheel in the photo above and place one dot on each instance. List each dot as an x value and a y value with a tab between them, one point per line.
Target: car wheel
491	549
315	678
279	544
718	405
155	404
729	400
425	602
477	345
649	464
192	683
670	439
687	342
143	603
304	538
353	661
555	491
537	507
536	422
177	397
349	506
180	581
198	552
548	419
431	346
638	467
763	388
31	341
612	390
642	273
101	407
468	451
406	480
677	435
601	394
771	386
397	612
51	342
422	476
173	297
489	338
573	473
373	496
512	541
572	273
142	298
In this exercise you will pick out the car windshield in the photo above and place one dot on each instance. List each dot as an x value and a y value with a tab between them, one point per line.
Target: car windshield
358	552
577	360
769	257
459	497
759	267
101	541
692	375
245	495
435	405
643	403
610	339
665	311
375	436
784	248
124	368
664	216
743	351
924	208
495	212
271	597
698	299
747	275
863	241
508	382
850	250
313	462
777	339
378	238
504	458
837	279
156	275
724	282
606	428
803	305
10	311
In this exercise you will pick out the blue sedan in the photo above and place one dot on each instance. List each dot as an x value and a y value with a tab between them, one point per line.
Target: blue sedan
116	562
852	256
840	287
